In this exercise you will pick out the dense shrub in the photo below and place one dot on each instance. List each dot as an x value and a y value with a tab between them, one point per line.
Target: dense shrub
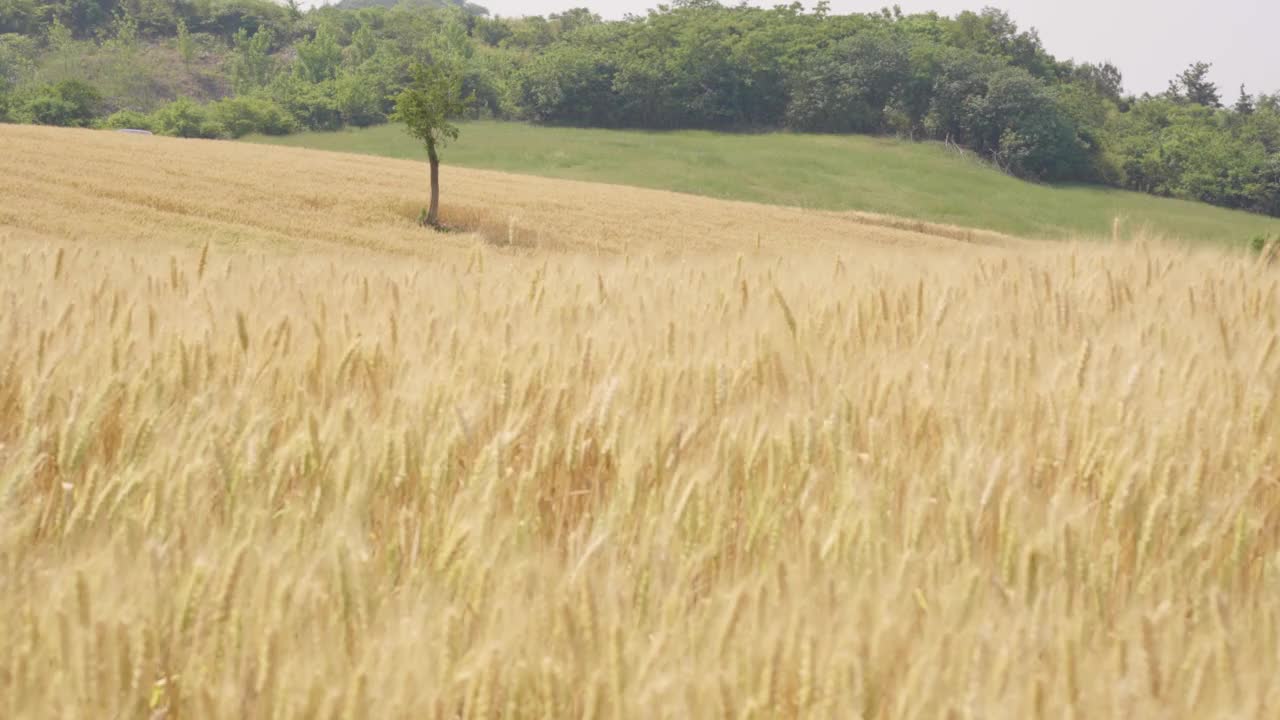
225	18
569	85
129	120
360	100
6	99
312	105
849	85
245	115
19	16
185	118
70	103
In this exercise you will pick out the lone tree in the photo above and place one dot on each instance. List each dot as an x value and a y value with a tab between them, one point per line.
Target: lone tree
425	107
1245	106
1193	86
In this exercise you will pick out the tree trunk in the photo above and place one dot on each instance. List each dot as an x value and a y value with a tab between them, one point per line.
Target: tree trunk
433	212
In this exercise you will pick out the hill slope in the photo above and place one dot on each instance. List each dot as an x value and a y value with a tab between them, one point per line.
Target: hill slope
89	184
905	179
330	465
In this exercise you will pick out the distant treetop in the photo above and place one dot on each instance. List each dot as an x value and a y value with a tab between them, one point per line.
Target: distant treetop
469	8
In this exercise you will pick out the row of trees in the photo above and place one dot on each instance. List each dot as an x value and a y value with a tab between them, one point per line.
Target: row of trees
89	19
975	80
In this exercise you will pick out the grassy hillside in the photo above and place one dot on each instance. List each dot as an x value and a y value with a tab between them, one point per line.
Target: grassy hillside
887	176
267	450
255	196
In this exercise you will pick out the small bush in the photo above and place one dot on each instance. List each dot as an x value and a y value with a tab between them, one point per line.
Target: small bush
1259	243
129	120
70	103
245	115
185	118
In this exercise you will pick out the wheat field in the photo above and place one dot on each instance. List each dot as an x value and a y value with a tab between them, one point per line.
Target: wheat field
267	450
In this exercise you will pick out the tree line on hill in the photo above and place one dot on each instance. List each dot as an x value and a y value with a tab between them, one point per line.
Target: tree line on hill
225	68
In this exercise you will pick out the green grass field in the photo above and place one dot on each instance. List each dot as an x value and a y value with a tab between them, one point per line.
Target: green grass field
916	180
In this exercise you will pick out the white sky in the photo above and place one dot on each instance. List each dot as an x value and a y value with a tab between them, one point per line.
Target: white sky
1149	40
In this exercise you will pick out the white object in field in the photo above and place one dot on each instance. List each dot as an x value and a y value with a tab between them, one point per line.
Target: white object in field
136	132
